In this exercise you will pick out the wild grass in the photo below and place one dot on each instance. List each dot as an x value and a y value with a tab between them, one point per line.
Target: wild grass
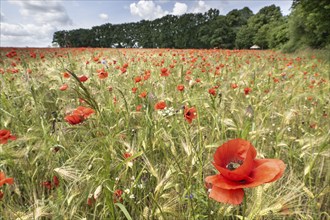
285	116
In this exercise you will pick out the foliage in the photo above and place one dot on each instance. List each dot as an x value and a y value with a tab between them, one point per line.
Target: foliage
260	28
244	37
198	30
309	25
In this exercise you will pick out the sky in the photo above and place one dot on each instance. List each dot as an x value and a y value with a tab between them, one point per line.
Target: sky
31	23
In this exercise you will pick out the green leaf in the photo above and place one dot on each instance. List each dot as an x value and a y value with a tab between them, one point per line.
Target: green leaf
124	210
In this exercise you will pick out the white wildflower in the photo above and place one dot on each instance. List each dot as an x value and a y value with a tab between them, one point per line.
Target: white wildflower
98	192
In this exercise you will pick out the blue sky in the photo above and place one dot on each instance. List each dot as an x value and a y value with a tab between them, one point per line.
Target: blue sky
32	22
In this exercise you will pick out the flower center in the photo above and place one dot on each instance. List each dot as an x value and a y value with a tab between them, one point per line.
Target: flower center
234	165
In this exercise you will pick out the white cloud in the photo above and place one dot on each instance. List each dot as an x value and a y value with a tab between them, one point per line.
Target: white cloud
18	30
13	30
19	35
41	20
104	16
44	12
2	17
200	7
147	10
179	8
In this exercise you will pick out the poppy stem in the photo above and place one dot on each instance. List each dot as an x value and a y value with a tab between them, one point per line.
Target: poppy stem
244	206
86	95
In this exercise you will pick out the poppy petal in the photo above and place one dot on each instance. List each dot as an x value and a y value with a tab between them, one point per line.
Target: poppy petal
211	179
235	150
4	134
83	111
12	137
279	163
234	197
74	119
2	175
9	180
4	180
265	171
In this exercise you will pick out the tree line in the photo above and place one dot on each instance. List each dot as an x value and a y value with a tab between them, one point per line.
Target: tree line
307	25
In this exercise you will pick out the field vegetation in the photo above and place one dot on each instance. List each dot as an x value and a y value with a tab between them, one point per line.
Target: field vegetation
132	133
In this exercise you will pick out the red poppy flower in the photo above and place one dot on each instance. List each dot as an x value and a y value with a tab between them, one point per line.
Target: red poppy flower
137	79
11	54
74	119
143	94
117	196
180	87
85	112
233	85
90	200
235	160
164	72
123	70
66	75
5	135
160	105
33	55
247	90
4	180
138	108
83	78
1	195
102	73
134	89
127	155
47	184
213	92
56	181
64	87
189	114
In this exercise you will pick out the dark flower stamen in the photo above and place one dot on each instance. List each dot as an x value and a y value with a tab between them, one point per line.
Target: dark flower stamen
234	165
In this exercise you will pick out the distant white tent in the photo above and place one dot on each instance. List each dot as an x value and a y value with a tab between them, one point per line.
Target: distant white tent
255	47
